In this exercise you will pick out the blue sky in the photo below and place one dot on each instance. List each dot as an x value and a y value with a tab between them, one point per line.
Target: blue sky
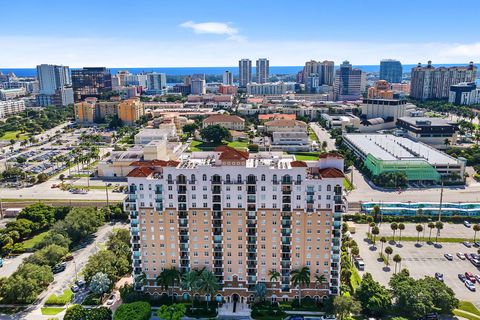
188	33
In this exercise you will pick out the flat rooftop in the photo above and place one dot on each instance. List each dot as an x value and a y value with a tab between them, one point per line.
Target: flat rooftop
427	121
390	147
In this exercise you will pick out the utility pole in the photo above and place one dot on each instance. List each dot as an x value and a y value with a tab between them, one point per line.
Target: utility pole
106	192
1	208
441	202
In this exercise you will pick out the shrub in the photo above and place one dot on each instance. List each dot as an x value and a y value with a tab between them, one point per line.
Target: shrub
61	300
134	311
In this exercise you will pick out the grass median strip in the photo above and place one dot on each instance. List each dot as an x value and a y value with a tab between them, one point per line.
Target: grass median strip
414	239
51	311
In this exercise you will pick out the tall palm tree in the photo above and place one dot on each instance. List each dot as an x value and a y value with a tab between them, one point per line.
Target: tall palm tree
431	225
376	211
274	275
370	226
383	240
419	229
375	232
401	227
140	280
191	282
320	279
394	227
209	284
397	259
438	226
300	277
168	279
476	228
388	251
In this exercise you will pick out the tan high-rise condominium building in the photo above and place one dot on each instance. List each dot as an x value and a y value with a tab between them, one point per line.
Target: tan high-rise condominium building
241	216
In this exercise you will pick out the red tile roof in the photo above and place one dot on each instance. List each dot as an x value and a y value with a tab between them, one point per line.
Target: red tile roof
330	155
223	118
155	163
140	172
229	153
277	116
331	173
298	164
285	123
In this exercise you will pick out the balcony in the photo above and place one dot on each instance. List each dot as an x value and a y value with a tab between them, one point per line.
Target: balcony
181	181
286	181
286	208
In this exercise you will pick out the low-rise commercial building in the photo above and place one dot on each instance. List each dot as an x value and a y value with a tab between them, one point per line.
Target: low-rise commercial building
432	131
388	153
285	126
145	136
10	94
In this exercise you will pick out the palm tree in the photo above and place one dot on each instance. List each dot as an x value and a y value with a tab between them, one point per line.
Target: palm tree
140	280
369	221
191	282
388	251
168	278
371	225
354	251
394	227
209	284
476	228
375	232
446	142
438	226
419	229
300	277
274	275
397	259
320	279
382	240
401	227
376	212
431	225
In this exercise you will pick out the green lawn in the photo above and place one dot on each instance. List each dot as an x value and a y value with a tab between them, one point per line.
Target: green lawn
348	185
197	145
306	156
311	135
62	299
432	239
238	144
9	135
469	307
51	311
30	243
465	315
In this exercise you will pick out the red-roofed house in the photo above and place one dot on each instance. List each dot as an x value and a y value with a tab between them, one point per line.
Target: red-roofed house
225	120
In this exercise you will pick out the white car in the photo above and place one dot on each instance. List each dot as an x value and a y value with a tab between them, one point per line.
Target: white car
467	224
111	299
75	288
469	284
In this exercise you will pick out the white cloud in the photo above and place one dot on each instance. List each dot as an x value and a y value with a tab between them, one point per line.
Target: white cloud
26	52
219	28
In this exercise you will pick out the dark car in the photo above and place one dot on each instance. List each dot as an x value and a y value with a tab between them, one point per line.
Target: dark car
439	276
462	277
58	268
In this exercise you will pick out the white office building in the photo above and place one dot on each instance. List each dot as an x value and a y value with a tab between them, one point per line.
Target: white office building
245	72
262	70
11	107
270	88
228	78
156	83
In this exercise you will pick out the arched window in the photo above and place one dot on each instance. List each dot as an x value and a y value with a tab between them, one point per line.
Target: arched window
286	179
299	178
239	178
204	177
227	178
141	186
274	178
263	177
192	178
169	177
329	187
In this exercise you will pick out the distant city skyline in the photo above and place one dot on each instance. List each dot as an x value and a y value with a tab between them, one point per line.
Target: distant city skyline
213	33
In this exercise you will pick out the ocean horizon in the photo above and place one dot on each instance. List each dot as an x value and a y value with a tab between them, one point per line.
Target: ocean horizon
184	71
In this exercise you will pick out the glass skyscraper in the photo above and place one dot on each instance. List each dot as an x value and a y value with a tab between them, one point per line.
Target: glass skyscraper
391	71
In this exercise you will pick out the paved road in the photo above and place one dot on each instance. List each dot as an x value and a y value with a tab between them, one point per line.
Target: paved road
10	265
64	279
323	135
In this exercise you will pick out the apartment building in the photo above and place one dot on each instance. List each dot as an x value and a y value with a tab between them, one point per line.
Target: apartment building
240	216
91	110
11	107
231	122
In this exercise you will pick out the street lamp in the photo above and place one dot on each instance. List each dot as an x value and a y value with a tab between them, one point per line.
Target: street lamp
106	192
75	265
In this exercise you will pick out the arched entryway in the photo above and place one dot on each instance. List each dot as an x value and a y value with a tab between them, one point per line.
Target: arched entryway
235	300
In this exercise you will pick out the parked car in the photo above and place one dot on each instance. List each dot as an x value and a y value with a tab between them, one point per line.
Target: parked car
476	244
80	283
439	276
75	288
475	262
467	244
58	268
470	277
462	277
469	285
68	257
111	299
467	224
448	256
461	256
478	278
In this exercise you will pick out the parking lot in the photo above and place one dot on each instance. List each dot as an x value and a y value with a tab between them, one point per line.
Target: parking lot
421	261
